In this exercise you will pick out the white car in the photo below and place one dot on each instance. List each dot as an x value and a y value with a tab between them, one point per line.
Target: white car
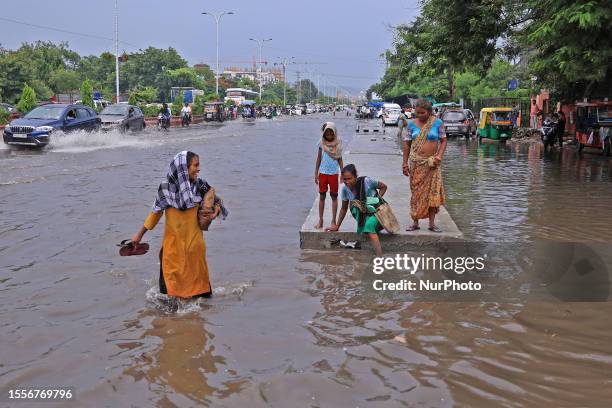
390	113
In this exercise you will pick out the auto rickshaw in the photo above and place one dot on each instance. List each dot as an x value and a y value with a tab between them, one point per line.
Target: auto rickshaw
214	111
495	124
594	126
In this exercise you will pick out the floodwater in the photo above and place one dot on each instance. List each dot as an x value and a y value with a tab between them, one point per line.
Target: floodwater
286	328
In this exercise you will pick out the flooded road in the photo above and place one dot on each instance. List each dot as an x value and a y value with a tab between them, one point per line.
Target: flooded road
286	327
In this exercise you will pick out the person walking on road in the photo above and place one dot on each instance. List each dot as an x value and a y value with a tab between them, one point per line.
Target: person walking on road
533	114
361	195
424	147
183	268
329	163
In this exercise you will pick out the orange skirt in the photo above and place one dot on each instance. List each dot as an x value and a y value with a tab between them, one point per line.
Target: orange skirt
427	189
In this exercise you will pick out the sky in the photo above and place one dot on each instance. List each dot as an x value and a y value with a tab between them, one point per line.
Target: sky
339	39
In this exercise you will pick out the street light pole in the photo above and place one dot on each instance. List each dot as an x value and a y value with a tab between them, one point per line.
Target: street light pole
117	51
217	18
260	43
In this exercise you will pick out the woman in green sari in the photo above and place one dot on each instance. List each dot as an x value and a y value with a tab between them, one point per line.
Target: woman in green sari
361	195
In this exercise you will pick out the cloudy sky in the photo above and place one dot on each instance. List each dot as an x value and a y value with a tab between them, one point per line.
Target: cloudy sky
340	39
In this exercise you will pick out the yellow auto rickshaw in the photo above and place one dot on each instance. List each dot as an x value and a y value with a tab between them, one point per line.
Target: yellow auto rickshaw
495	124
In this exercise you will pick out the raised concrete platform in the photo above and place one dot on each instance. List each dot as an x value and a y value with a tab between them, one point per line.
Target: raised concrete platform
378	155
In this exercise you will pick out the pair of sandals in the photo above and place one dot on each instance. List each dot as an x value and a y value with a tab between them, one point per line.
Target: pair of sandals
416	227
129	248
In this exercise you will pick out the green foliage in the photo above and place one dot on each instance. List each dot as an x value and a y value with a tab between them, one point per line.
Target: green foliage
149	111
197	107
28	100
4	116
230	103
63	80
211	97
87	94
142	95
571	51
564	44
177	104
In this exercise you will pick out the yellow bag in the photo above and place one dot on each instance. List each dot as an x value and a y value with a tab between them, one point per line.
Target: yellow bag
384	215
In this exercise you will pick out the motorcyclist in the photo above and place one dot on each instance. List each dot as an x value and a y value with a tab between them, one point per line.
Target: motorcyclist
186	114
164	112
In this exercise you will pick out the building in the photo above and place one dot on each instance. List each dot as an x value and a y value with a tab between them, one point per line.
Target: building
266	76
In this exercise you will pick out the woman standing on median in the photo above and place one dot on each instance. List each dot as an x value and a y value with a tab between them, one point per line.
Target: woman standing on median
424	147
183	268
361	195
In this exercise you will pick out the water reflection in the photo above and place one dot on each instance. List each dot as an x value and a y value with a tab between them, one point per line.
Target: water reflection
181	360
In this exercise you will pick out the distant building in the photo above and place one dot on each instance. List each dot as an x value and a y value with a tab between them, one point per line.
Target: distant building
256	75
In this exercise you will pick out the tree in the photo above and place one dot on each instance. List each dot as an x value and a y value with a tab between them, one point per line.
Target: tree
63	80
568	45
87	94
177	104
143	95
28	100
197	107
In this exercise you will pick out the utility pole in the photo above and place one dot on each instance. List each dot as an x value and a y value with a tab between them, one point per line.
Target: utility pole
117	51
260	43
217	18
297	102
284	62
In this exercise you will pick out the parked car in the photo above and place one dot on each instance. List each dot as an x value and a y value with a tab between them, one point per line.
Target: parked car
458	122
390	114
12	110
35	128
122	117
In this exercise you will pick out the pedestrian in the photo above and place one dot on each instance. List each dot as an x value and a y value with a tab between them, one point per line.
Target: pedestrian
561	128
533	114
515	114
360	195
329	163
183	270
402	122
424	147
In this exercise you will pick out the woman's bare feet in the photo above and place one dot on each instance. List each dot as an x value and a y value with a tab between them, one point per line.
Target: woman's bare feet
319	225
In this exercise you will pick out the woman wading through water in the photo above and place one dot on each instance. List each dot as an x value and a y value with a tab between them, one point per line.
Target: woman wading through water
183	268
424	147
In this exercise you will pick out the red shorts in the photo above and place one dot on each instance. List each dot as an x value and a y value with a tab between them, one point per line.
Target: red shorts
330	180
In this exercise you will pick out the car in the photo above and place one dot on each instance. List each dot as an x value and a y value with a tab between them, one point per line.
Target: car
12	110
122	117
36	127
390	114
456	123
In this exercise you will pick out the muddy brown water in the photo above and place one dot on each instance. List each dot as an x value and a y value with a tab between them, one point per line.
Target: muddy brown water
286	328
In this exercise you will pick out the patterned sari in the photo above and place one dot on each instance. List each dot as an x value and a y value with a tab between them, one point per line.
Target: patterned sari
425	178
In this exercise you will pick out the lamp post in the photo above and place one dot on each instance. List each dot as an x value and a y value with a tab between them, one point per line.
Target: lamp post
284	62
117	51
217	18
260	43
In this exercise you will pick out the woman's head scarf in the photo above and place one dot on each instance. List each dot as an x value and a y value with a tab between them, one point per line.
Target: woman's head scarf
178	191
334	147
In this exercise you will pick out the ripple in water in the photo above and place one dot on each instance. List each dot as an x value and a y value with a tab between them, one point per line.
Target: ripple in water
171	304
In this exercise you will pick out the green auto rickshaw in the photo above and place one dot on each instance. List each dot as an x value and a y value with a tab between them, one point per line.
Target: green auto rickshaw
495	124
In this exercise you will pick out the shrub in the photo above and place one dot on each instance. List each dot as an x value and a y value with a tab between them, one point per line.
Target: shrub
87	94
28	100
198	105
4	116
177	104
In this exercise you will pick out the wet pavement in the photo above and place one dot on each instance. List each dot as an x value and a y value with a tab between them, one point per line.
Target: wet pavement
286	327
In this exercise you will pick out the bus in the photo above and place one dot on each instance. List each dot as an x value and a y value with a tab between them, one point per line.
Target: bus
239	95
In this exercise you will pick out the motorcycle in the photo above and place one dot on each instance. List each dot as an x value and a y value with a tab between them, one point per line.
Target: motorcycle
549	133
163	122
185	119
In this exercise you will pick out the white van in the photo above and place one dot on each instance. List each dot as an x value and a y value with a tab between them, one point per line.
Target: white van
390	113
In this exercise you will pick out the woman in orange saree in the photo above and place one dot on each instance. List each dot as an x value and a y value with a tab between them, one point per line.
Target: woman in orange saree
424	147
